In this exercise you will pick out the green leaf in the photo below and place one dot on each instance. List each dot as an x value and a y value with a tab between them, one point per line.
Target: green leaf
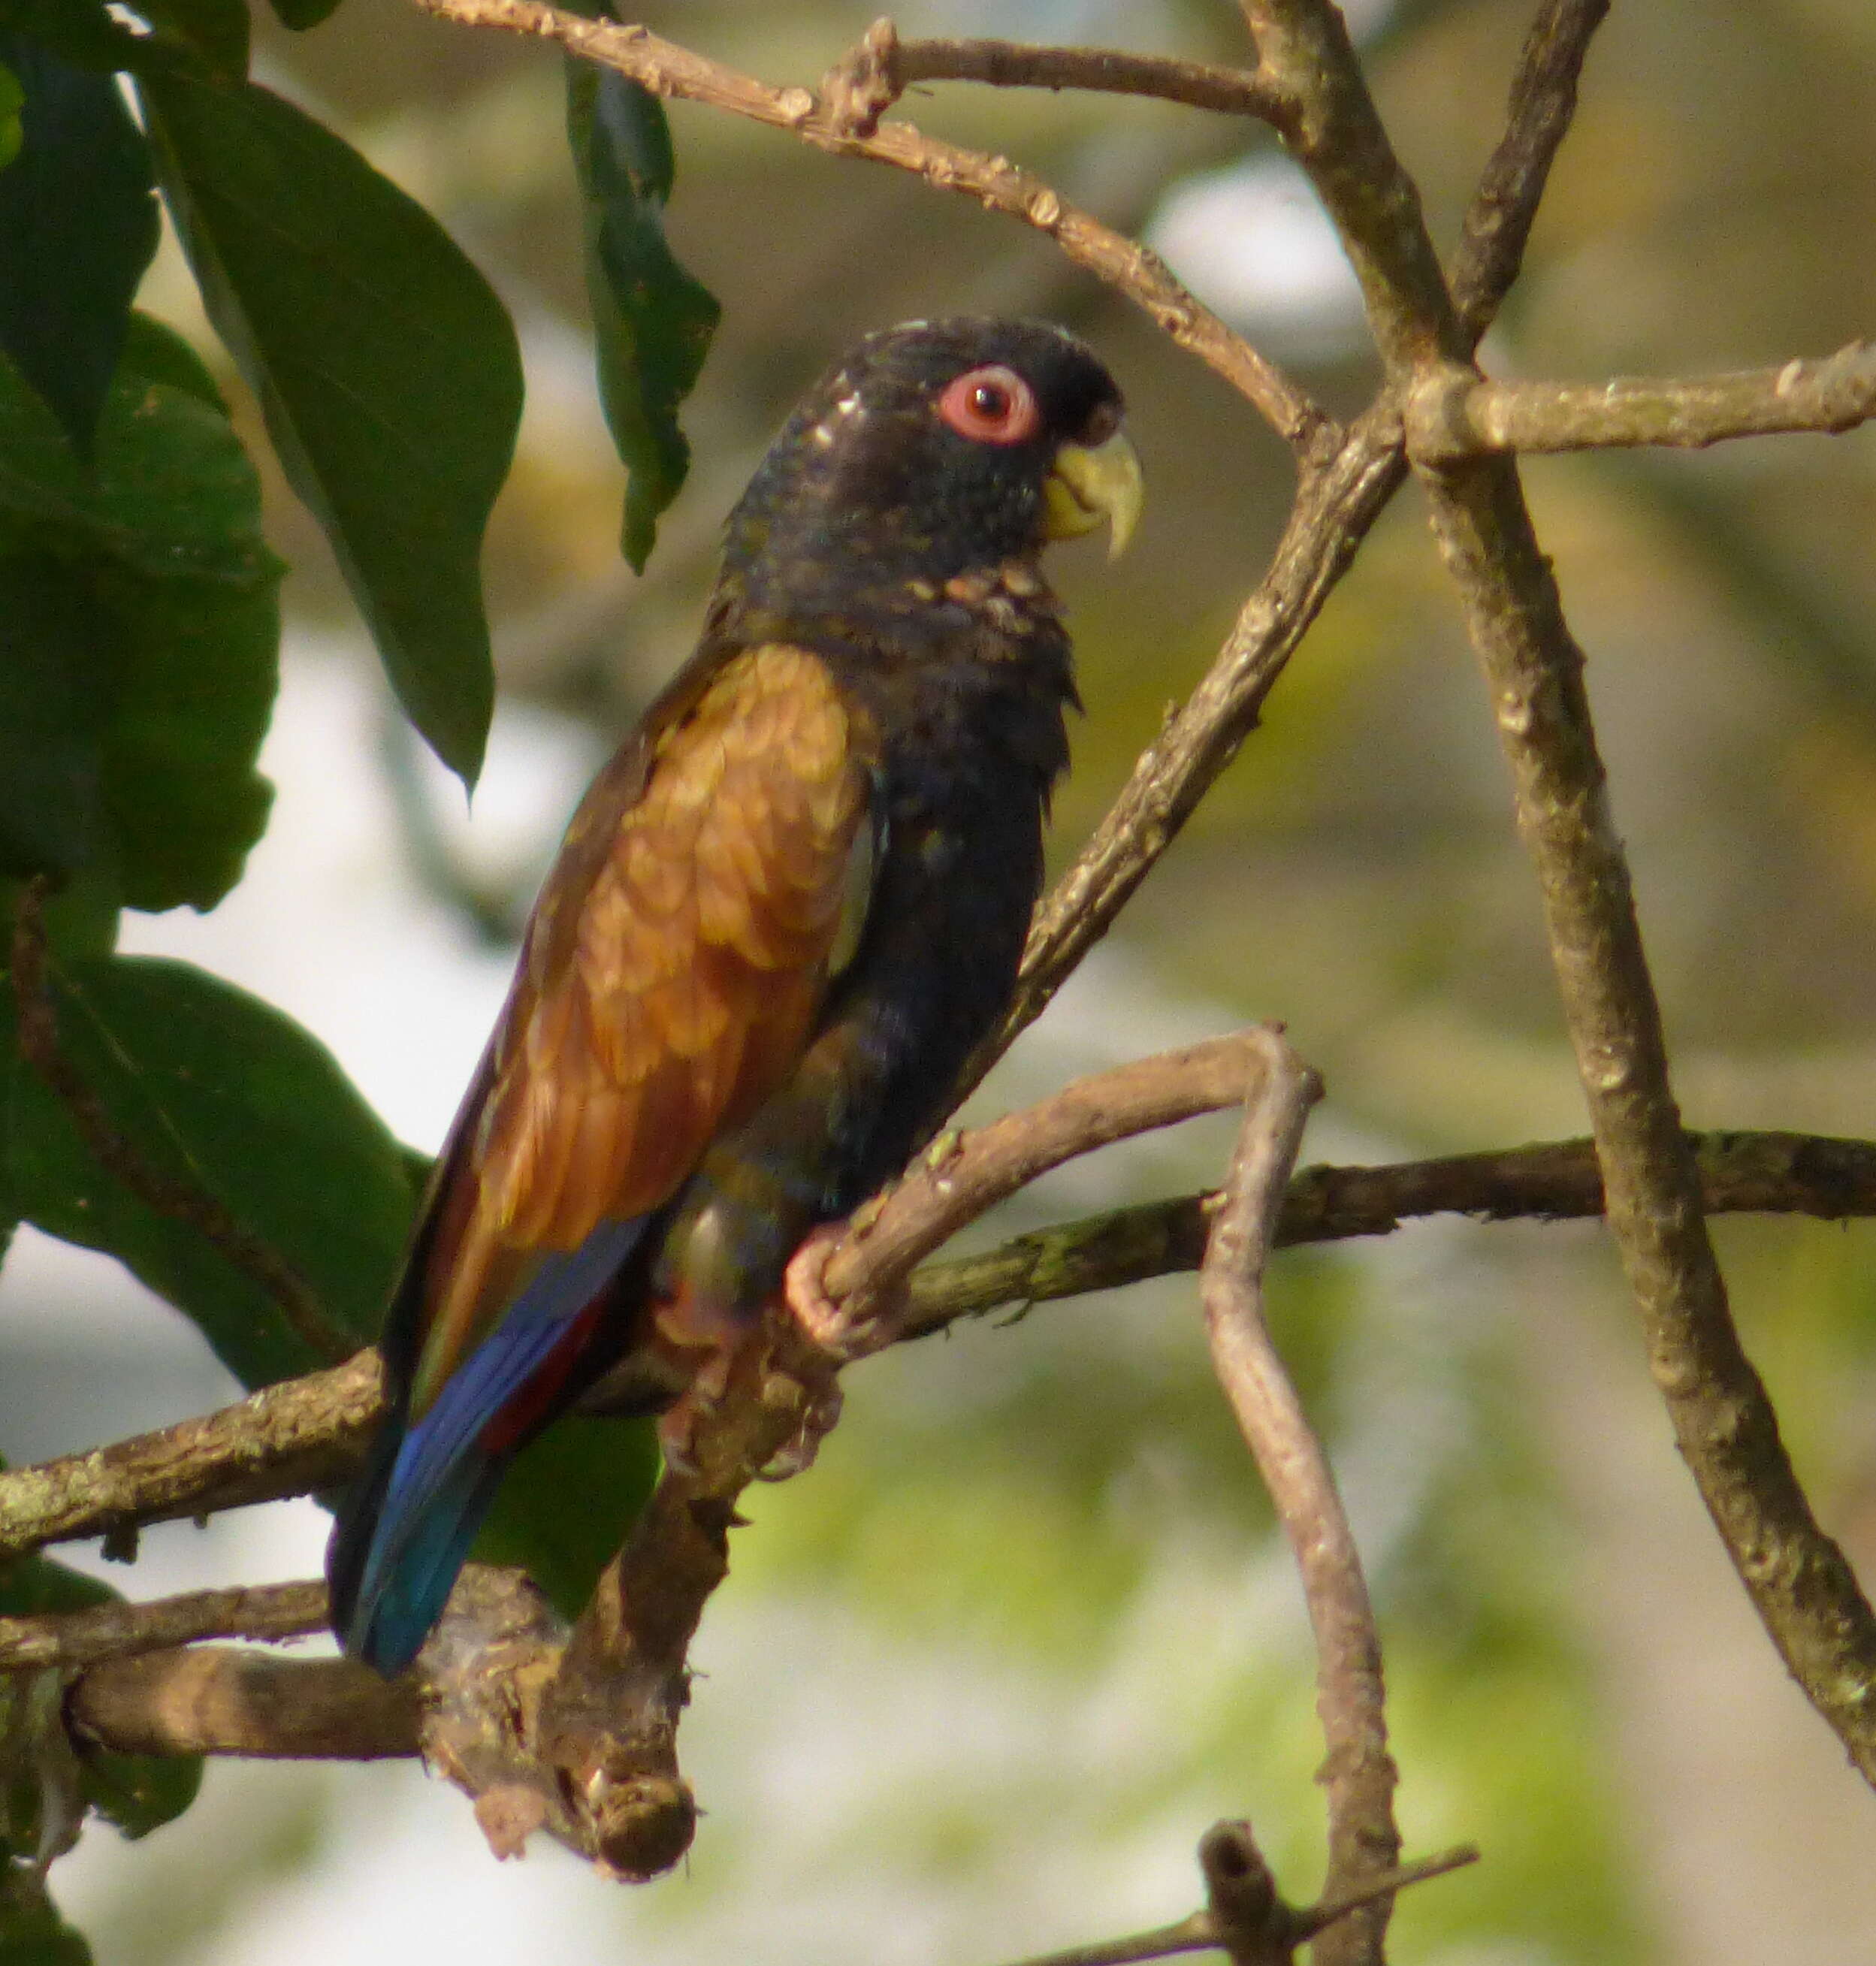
12	100
139	636
213	1089
652	320
78	226
388	371
31	1931
565	1506
80	31
48	1784
213	31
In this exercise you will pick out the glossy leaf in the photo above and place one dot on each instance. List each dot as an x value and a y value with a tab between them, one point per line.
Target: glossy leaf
652	320
139	632
78	226
388	371
214	1090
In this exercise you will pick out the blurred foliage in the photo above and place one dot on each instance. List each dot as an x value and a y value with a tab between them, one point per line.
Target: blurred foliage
1050	1533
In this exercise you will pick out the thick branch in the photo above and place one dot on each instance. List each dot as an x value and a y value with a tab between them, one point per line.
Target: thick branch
287	1439
218	1699
1453	415
610	1719
1806	1592
667	70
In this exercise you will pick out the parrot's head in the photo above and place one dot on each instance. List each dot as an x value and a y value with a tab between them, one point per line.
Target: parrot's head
937	447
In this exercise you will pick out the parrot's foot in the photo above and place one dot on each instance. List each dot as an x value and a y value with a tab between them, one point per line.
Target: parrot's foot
797	1453
832	1328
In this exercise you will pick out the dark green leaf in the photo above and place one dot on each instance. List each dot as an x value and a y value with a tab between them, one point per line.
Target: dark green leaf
56	672
80	31
214	1088
388	371
78	226
565	1505
139	1792
12	100
140	630
213	31
31	1931
652	320
300	15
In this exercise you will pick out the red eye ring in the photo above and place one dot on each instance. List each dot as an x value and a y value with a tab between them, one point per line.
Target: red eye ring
992	404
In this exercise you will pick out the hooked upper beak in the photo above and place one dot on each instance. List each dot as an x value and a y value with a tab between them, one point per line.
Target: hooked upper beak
1090	482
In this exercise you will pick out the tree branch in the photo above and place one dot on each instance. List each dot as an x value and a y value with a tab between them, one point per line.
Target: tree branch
667	70
287	1439
860	88
1542	107
1358	1773
108	1631
1806	1592
311	1433
1453	415
1347	479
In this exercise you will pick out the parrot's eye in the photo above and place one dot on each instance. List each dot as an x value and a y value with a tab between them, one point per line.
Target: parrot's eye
990	405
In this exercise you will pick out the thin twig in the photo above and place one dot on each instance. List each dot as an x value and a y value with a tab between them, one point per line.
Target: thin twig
187	1202
1452	415
667	70
107	1631
866	82
1199	1933
1785	1173
965	1174
1543	104
1358	1774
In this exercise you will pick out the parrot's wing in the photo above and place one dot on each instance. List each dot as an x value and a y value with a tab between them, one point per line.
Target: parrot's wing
670	977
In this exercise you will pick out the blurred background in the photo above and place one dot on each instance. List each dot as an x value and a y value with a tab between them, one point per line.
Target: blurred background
977	1682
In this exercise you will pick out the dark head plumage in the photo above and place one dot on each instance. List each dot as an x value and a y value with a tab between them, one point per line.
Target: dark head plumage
935	448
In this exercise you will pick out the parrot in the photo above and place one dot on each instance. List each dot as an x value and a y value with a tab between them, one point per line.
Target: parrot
782	918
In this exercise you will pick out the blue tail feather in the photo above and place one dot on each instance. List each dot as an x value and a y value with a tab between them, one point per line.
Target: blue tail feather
407	1530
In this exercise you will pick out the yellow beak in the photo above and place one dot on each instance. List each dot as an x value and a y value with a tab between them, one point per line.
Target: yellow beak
1090	482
